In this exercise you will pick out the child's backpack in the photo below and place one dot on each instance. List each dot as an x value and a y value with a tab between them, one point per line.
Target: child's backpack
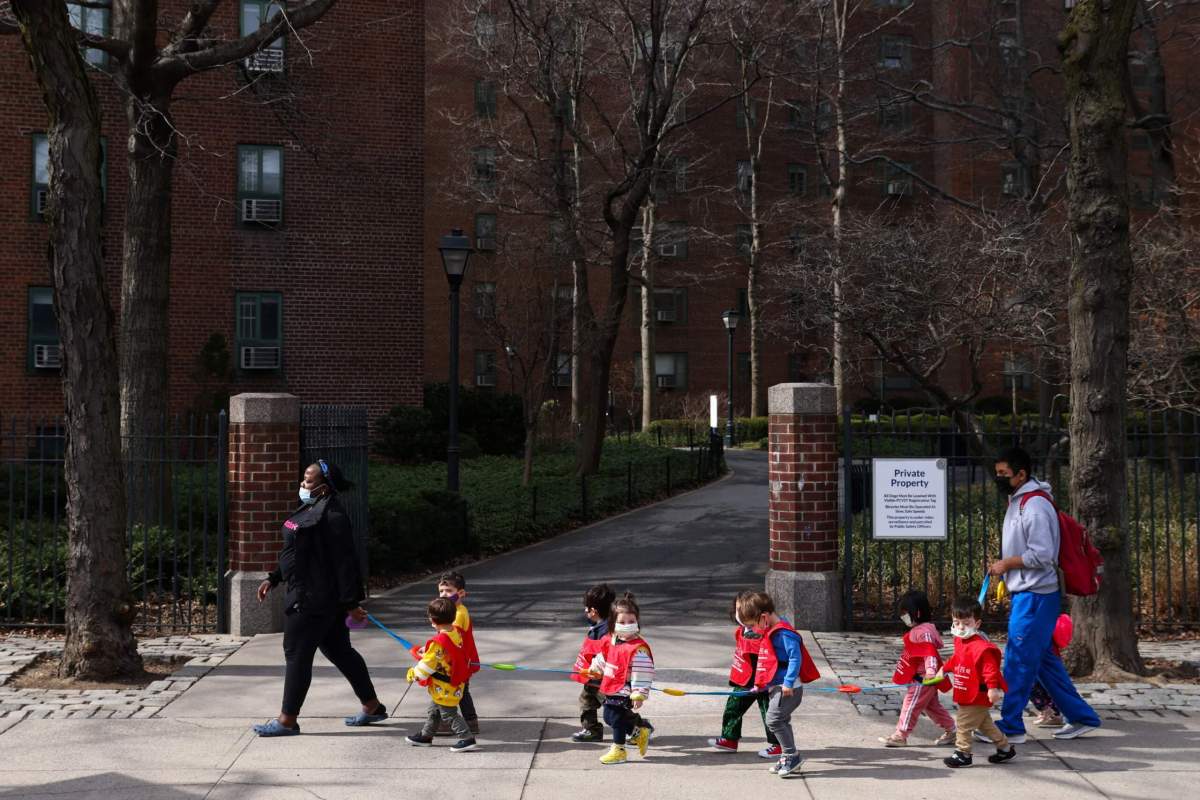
1081	563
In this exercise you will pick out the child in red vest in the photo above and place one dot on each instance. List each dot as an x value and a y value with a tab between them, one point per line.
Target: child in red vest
978	684
919	660
453	585
625	667
443	669
746	644
783	668
1048	714
597	604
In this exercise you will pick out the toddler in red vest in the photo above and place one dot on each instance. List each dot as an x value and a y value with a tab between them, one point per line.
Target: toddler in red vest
978	684
921	659
746	644
625	667
453	585
782	669
443	669
597	604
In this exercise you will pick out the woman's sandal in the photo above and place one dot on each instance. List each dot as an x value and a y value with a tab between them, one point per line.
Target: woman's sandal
276	728
363	718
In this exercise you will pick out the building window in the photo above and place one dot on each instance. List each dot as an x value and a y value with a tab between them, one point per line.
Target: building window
895	115
743	367
745	179
743	303
1010	51
1141	141
824	116
44	350
40	187
1139	75
673	179
483	160
796	118
743	239
254	14
485	368
895	52
1017	374
670	370
259	330
1145	192
897	179
485	231
672	240
1013	181
562	371
485	29
746	112
670	305
260	184
564	107
797	177
796	241
94	21
796	371
485	99
485	300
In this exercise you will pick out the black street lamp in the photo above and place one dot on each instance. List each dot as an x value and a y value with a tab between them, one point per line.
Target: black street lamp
730	318
456	250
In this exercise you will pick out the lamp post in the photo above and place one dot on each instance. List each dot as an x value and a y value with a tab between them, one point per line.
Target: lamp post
456	250
730	318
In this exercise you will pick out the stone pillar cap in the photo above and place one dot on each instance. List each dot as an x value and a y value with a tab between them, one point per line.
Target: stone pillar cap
802	398
266	408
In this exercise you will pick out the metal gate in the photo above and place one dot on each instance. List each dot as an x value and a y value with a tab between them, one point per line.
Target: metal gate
175	525
340	435
1163	510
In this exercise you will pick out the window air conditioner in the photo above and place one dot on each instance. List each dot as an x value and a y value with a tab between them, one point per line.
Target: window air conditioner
666	381
668	250
258	210
665	315
268	60
898	188
47	356
485	380
260	358
41	199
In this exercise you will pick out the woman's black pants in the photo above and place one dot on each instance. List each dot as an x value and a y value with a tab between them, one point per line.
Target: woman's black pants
305	634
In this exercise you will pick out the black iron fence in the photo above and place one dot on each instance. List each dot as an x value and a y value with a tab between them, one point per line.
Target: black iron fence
1162	510
175	496
339	434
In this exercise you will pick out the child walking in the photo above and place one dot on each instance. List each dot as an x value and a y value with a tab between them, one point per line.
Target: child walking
625	667
443	669
919	660
453	586
746	644
1048	714
597	605
783	668
978	684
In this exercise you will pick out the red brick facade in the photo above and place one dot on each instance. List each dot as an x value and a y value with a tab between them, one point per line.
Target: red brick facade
264	460
347	117
803	480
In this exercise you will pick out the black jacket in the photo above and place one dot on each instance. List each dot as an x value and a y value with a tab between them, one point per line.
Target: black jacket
318	560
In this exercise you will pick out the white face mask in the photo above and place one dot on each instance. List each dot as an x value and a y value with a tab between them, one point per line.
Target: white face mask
906	619
306	496
626	631
962	631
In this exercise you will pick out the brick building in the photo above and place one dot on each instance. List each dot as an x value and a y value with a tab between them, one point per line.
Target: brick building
298	214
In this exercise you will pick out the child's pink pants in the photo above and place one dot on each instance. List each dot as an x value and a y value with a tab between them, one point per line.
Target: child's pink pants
922	700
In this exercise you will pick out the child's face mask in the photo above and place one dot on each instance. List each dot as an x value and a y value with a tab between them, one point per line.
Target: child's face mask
626	630
964	628
907	620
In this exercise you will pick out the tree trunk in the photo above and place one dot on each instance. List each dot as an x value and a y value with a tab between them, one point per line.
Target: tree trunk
99	610
530	442
758	397
1095	47
841	15
649	390
146	276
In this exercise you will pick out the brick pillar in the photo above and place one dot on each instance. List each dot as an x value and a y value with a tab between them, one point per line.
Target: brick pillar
803	577
264	471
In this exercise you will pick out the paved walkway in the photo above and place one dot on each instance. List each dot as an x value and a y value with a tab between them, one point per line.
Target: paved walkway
685	557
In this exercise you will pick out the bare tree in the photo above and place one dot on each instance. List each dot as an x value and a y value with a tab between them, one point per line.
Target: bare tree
1095	51
99	610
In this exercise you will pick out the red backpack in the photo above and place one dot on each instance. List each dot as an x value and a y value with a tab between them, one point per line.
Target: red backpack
1081	563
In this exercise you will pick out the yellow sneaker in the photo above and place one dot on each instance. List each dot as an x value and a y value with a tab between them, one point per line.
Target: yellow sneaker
615	755
641	737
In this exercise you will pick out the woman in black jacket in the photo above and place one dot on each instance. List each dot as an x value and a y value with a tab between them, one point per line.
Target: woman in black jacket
320	568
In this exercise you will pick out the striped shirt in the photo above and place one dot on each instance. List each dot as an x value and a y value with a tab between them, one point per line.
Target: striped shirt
641	672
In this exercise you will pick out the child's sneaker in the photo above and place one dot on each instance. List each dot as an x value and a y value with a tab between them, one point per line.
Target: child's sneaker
587	735
641	737
789	766
418	740
771	751
1048	719
1000	756
615	755
895	740
723	745
958	759
946	738
464	746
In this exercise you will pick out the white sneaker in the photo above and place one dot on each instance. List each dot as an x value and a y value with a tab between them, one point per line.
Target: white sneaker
1072	731
1014	738
771	751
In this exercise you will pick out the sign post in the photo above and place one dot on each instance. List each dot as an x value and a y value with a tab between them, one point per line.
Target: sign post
908	499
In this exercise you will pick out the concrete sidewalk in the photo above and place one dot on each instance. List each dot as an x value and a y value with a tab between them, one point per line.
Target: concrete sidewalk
685	558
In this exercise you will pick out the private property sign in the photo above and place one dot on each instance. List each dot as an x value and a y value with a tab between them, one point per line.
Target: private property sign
908	498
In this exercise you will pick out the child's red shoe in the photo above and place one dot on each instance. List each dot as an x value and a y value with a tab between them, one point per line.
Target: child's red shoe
723	745
771	751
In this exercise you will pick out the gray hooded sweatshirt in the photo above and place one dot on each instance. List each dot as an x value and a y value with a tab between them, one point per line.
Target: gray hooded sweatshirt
1032	534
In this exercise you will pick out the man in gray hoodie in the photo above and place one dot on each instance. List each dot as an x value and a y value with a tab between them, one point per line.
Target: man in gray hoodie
1029	566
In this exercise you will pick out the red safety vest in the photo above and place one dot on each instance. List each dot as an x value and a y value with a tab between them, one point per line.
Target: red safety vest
456	656
587	651
745	652
618	656
913	659
966	670
469	649
769	663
